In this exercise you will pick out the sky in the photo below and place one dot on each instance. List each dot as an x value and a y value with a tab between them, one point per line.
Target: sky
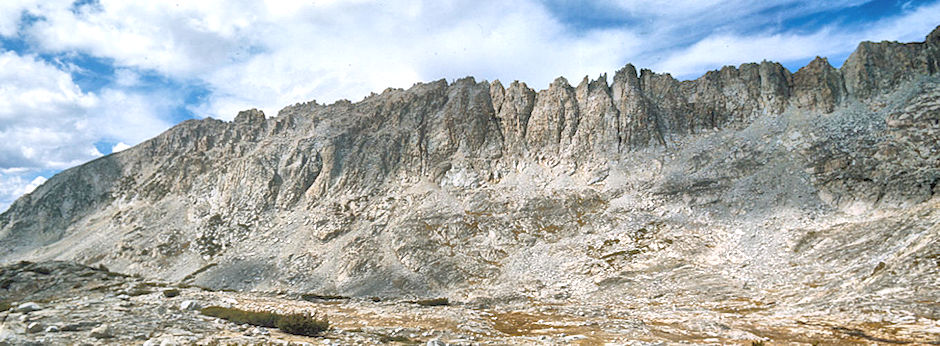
82	79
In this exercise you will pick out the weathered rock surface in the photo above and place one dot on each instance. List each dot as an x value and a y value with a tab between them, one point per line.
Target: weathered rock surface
97	311
816	190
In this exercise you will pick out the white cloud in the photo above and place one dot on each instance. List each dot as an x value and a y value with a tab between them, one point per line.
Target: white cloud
913	26
33	184
269	54
119	147
732	10
318	56
11	12
718	50
42	116
273	53
124	77
48	123
13	185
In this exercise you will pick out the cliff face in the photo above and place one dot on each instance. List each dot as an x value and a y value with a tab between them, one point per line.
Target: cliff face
469	187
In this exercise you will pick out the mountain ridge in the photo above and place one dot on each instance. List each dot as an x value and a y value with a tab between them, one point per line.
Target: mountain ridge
469	189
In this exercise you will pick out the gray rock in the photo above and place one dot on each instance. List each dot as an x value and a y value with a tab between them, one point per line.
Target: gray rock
35	327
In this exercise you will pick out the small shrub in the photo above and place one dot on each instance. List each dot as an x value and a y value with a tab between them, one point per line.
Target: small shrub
432	302
316	297
263	319
5	305
301	324
170	293
387	339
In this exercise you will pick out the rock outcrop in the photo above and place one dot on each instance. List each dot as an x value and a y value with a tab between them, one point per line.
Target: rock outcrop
475	190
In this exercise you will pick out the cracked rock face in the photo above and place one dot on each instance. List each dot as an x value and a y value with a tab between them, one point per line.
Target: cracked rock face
750	181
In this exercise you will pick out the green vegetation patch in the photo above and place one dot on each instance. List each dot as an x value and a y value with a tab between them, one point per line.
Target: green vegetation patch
297	324
255	318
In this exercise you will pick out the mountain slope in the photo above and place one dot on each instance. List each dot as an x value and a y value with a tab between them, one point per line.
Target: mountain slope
747	182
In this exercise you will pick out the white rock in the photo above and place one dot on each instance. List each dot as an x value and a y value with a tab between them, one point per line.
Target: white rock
161	342
571	338
189	305
102	332
28	307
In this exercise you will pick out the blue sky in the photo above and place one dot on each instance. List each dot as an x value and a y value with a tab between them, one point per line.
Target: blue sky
80	79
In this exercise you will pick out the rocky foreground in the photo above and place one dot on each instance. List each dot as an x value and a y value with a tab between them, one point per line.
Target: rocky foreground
67	303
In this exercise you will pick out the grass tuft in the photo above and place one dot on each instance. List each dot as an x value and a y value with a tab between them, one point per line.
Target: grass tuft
255	318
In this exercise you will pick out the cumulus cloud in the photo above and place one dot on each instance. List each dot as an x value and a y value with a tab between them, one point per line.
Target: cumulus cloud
327	55
274	53
14	184
177	38
48	123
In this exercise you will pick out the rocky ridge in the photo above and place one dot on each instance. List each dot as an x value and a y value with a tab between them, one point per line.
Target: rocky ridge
749	182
